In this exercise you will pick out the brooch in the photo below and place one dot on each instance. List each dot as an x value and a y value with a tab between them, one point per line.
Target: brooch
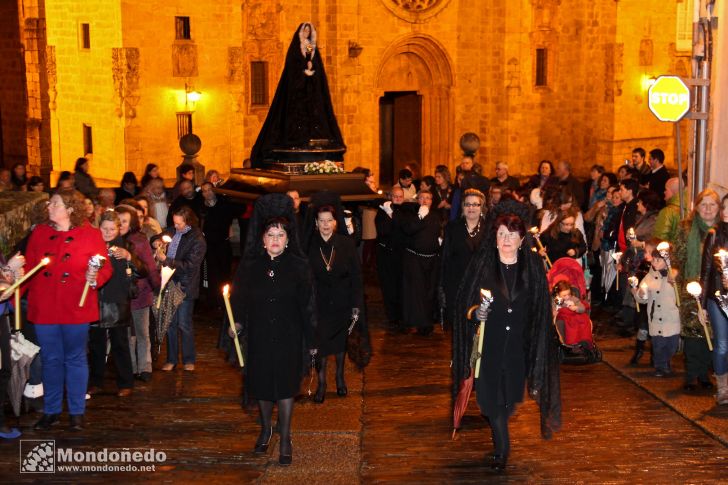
271	274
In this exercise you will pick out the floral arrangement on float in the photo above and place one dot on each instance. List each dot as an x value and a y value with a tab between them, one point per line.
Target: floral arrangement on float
325	167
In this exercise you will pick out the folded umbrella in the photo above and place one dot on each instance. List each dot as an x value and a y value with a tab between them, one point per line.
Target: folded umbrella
22	353
171	298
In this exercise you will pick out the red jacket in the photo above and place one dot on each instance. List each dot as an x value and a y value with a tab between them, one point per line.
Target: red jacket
55	291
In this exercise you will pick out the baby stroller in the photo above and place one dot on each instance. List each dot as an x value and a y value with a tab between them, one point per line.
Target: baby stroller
582	350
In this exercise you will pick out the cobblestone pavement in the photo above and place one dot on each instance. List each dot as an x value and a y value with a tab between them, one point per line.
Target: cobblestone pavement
394	427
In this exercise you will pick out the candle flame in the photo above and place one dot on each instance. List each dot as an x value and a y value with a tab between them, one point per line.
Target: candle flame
663	246
632	281
617	256
226	290
166	239
534	230
694	288
485	294
45	261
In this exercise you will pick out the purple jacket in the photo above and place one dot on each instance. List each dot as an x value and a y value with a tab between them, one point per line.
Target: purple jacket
153	280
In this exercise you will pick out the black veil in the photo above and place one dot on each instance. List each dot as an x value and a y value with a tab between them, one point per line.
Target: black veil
301	109
542	364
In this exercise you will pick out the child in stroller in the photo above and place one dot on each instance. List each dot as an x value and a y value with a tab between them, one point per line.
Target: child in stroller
571	313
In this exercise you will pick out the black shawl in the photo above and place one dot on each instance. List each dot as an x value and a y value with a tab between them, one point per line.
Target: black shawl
542	364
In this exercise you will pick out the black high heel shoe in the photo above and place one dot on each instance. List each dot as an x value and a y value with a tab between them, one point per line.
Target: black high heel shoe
320	395
45	422
261	446
286	456
498	463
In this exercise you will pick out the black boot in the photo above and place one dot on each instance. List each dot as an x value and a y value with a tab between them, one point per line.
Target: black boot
321	389
639	351
341	389
45	422
76	422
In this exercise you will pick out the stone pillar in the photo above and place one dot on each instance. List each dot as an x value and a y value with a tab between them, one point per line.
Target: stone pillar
718	150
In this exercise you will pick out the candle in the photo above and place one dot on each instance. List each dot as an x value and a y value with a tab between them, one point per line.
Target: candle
537	238
664	249
96	261
17	309
633	282
226	298
486	298
22	280
167	273
631	235
617	256
695	290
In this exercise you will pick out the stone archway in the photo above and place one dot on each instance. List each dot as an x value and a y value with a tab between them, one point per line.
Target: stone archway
418	63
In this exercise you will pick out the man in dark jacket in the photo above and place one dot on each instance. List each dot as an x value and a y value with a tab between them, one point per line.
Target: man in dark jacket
389	255
628	189
566	179
658	178
188	197
217	217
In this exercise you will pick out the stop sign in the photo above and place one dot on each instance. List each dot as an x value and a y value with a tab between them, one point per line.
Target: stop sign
669	98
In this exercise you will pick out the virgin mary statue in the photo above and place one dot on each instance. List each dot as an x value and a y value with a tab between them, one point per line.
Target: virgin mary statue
301	125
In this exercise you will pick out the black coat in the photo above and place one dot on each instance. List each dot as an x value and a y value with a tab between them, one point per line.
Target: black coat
711	277
557	247
337	291
274	301
114	297
657	180
187	262
457	250
195	203
503	365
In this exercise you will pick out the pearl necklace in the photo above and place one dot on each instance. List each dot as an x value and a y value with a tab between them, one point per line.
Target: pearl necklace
475	231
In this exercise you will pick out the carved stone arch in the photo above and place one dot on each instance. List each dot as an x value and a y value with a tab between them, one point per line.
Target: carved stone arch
420	63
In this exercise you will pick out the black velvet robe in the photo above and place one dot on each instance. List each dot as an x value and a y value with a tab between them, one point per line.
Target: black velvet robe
419	271
278	318
337	291
301	109
457	249
389	262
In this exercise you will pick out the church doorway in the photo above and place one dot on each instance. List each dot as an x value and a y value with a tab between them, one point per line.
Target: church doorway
414	84
400	133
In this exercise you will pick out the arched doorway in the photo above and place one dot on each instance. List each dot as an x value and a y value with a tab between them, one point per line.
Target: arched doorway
413	86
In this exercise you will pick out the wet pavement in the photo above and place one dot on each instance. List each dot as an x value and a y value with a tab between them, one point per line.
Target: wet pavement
621	425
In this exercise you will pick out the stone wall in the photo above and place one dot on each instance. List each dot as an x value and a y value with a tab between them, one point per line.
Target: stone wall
12	81
473	62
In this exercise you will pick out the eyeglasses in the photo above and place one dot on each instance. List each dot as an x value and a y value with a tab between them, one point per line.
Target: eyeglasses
474	204
507	235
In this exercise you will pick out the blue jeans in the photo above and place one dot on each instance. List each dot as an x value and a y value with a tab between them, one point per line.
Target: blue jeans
719	323
63	349
182	321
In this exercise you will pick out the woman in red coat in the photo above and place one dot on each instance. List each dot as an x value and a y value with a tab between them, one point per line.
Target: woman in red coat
53	302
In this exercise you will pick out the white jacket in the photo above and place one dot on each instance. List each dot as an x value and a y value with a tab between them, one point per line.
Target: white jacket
654	289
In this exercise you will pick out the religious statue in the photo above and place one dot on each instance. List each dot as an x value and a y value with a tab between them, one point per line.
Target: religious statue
300	125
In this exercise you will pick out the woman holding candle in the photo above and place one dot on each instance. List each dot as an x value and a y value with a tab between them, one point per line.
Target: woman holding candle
339	294
712	278
274	305
139	343
688	250
184	254
9	273
520	345
62	326
115	317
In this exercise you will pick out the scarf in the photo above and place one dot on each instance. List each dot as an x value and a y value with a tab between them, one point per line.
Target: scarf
172	250
698	230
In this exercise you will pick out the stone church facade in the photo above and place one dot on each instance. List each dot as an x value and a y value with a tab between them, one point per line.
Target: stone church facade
535	79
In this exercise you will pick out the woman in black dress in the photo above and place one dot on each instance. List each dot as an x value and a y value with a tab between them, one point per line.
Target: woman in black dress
274	306
519	345
339	294
462	238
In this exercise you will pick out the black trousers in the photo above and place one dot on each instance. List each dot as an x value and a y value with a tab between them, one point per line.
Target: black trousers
219	259
698	359
389	269
119	351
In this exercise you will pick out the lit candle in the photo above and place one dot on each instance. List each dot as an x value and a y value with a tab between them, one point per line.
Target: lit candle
633	282
17	309
664	249
231	320
695	290
486	298
617	256
536	236
11	288
96	261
